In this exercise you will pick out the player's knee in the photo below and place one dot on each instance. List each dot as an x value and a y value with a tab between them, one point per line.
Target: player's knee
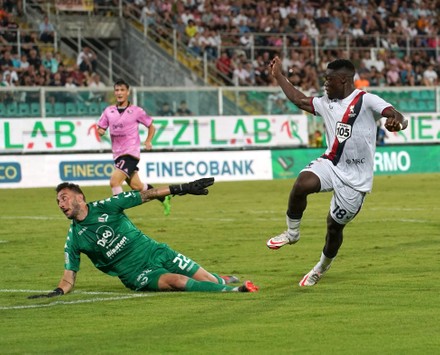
203	275
172	282
333	227
114	182
306	184
179	282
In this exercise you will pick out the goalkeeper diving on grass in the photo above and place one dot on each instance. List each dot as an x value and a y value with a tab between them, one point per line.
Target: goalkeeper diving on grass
102	231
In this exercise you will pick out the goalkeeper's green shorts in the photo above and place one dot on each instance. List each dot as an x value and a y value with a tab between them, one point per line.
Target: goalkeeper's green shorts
163	260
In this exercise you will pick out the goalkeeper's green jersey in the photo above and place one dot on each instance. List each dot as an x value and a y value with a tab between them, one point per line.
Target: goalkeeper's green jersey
108	237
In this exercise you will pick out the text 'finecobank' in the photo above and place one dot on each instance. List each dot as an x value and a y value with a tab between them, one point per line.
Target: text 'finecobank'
200	168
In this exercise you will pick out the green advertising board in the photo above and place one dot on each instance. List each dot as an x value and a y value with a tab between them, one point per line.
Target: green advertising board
287	163
388	160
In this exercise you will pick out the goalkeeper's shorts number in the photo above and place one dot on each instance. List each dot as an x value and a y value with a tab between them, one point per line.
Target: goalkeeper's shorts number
182	261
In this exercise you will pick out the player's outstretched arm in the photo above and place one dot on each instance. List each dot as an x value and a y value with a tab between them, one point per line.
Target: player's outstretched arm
64	286
297	97
197	187
395	120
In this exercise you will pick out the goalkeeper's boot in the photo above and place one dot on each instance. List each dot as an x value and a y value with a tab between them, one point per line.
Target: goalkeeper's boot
166	203
312	277
230	279
282	239
248	286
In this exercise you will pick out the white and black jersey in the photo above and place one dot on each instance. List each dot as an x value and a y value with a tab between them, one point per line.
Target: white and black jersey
350	126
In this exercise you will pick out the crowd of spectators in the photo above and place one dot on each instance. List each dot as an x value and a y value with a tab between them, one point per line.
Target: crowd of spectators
33	61
237	26
240	37
182	110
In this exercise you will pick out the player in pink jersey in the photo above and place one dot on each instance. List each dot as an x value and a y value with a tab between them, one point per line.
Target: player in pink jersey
123	120
347	166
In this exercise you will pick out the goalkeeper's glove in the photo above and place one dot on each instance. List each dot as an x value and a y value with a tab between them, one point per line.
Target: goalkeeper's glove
197	187
57	292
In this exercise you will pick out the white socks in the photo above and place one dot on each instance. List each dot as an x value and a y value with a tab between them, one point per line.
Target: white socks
117	190
293	227
323	264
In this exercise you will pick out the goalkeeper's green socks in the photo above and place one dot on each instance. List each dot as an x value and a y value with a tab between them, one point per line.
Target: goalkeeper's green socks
207	286
219	279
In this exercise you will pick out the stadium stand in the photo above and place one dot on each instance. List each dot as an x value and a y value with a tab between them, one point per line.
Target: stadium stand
394	44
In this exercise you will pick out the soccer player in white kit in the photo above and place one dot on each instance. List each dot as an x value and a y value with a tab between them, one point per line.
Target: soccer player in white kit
346	167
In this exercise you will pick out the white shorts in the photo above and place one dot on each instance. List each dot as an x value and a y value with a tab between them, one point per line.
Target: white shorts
346	202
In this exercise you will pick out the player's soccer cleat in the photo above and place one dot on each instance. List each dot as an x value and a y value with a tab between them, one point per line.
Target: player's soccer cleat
312	278
281	240
230	279
166	205
248	286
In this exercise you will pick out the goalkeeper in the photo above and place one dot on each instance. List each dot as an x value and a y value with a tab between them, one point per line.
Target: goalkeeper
103	232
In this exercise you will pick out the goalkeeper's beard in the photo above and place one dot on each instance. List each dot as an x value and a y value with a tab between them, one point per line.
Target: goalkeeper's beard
74	210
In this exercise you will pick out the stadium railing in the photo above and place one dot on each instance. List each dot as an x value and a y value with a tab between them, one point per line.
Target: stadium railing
22	39
23	102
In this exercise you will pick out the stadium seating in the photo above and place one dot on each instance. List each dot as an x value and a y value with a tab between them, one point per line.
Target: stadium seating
24	109
59	109
35	109
94	109
49	109
71	109
12	110
149	106
293	109
102	106
21	109
427	95
416	95
431	106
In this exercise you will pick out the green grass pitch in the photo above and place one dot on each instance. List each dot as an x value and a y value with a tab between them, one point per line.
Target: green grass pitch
380	297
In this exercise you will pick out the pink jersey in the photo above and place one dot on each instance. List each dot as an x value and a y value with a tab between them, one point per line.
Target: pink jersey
124	129
350	126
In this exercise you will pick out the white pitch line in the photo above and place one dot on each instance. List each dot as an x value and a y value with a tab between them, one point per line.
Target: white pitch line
116	297
400	208
402	220
74	292
56	303
30	217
